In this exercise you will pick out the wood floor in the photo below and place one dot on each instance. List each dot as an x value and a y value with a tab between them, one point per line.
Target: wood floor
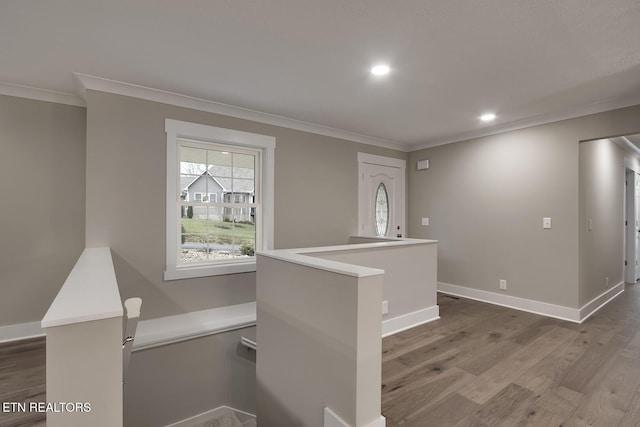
22	379
480	365
484	365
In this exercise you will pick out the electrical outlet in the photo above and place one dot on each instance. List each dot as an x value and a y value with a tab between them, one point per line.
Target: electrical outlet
385	307
503	285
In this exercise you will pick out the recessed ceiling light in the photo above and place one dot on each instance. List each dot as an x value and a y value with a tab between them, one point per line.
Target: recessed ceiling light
380	70
487	117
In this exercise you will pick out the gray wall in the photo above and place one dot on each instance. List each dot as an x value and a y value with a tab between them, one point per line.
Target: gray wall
486	198
173	382
42	187
602	177
315	204
315	201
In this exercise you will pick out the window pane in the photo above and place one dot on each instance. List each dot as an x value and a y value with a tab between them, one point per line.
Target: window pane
193	248
244	166
243	186
221	239
217	233
244	232
382	211
193	163
219	163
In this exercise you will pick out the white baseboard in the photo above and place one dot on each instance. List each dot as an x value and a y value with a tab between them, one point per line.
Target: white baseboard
600	301
381	421
243	417
569	314
331	419
409	320
21	331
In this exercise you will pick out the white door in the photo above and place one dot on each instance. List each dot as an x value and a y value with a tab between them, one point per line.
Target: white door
636	201
632	225
381	187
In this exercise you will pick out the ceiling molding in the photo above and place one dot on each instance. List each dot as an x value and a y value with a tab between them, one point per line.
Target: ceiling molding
572	113
628	145
28	92
136	91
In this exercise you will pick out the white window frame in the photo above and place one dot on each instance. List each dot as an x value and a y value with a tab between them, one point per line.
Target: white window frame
195	197
176	130
215	198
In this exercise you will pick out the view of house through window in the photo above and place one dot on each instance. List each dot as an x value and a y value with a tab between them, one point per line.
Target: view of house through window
217	201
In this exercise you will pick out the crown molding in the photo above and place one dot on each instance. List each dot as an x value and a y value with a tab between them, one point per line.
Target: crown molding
29	92
87	82
572	113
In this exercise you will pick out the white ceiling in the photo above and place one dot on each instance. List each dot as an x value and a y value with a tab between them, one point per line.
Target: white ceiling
308	60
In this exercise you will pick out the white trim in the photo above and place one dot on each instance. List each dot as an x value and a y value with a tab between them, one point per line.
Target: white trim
201	132
321	263
382	160
171	98
176	130
21	331
89	293
181	327
312	257
37	94
600	301
363	192
331	419
410	320
192	272
243	417
531	306
378	242
570	113
569	314
381	421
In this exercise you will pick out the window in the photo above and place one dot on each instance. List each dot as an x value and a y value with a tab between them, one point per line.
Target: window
213	235
382	211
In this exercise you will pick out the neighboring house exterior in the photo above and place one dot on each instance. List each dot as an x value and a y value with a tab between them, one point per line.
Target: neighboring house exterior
219	185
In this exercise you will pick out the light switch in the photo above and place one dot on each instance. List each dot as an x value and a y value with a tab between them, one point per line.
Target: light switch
425	221
546	222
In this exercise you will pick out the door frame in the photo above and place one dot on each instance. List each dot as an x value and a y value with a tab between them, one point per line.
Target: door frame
372	159
631	226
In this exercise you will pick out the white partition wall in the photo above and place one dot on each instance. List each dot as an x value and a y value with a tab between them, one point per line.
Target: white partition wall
319	338
84	346
410	276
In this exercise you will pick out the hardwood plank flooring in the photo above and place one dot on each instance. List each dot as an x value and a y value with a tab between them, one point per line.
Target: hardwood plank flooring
485	365
480	365
22	379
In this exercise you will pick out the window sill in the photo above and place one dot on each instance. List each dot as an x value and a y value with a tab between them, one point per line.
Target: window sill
209	270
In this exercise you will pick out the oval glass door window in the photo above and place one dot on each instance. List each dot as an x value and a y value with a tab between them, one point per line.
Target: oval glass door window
382	211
